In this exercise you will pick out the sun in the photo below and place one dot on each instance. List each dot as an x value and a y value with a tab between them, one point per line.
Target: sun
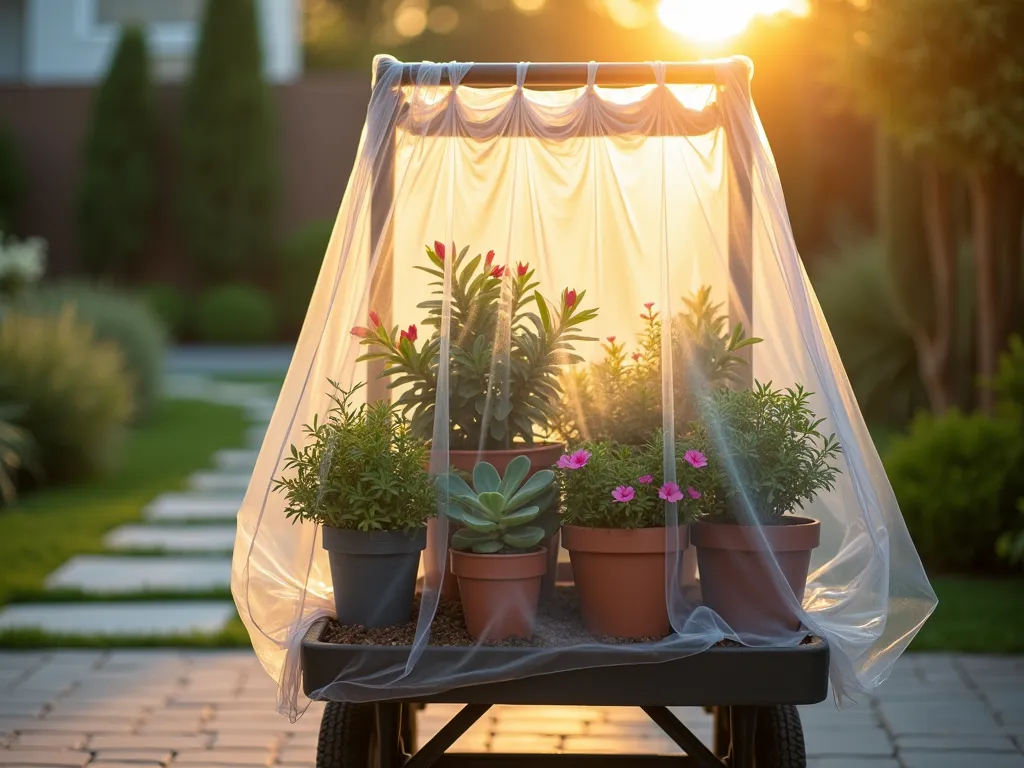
711	21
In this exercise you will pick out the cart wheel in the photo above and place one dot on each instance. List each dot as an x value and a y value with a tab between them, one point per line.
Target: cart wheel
778	738
348	735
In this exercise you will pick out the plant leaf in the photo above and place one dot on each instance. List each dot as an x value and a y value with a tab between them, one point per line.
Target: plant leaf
524	538
520	517
534	487
515	473
488	547
485	478
493	502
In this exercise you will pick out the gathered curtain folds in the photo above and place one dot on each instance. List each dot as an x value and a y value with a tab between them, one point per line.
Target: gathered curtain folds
638	195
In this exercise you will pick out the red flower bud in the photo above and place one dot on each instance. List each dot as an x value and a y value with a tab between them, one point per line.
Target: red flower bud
570	298
498	272
374	319
489	259
522	269
648	305
637	356
410	334
439	249
611	339
361	332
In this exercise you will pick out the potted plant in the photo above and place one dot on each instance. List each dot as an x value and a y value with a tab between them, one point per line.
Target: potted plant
497	555
769	459
361	477
499	400
619	397
614	526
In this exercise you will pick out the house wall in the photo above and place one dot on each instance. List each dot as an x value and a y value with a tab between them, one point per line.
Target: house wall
64	44
319	124
12	23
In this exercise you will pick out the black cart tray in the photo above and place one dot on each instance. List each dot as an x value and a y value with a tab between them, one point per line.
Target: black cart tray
722	675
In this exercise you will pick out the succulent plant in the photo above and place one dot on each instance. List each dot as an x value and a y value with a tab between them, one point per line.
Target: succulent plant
499	513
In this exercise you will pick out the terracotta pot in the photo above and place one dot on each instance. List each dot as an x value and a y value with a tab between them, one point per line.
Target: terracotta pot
736	573
620	579
542	456
500	593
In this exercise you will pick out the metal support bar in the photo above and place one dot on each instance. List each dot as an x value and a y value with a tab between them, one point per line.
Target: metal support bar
742	727
430	753
683	736
572	74
389	740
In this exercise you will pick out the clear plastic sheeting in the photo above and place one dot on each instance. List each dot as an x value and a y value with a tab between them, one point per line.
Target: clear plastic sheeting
606	266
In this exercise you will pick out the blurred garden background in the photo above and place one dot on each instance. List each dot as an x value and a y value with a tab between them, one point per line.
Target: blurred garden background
177	195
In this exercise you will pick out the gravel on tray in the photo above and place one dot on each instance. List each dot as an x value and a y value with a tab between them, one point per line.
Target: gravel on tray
558	625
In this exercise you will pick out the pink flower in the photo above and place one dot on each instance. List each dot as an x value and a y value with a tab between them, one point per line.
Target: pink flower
577	460
636	357
374	319
489	259
569	297
645	479
411	334
694	493
439	249
522	269
611	339
623	494
695	459
498	272
362	333
670	492
648	305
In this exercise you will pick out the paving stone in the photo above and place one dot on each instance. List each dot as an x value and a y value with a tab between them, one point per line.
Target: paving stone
48	757
21	708
75	725
251	740
200	538
182	507
542	727
950	717
620	745
960	760
132	742
943	743
853	762
144	756
120	618
52	740
224	757
524	742
236	459
858	742
100	574
255	436
132	764
219	482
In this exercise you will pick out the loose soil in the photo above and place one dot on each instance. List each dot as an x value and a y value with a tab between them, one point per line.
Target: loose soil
558	625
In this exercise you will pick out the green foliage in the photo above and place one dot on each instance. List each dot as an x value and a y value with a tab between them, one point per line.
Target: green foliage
1010	545
1009	380
73	392
17	453
873	336
12	180
768	449
496	512
171	305
619	397
497	396
302	255
117	191
595	470
22	263
361	469
229	164
954	478
236	314
944	76
117	318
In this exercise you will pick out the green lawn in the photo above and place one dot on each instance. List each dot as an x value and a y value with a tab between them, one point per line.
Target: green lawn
975	616
48	527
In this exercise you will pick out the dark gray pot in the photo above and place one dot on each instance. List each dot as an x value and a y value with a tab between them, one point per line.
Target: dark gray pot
374	574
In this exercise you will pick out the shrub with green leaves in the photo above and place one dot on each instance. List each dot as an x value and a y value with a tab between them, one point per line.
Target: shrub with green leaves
619	397
229	165
498	514
117	191
73	392
301	257
360	469
120	319
1009	380
769	455
606	485
12	180
1010	546
495	400
171	305
236	314
954	478
17	453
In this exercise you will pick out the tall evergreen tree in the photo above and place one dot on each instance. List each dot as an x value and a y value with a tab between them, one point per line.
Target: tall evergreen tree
229	164
117	189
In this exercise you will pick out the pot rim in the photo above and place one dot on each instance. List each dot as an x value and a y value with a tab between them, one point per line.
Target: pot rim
496	567
345	541
796	534
623	541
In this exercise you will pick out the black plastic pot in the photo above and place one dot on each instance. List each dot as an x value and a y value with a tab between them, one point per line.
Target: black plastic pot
374	574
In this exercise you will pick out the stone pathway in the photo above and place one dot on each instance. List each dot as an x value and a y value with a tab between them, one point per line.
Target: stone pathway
183	545
166	708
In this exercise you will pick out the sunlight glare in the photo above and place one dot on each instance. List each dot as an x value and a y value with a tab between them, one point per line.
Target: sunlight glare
712	21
